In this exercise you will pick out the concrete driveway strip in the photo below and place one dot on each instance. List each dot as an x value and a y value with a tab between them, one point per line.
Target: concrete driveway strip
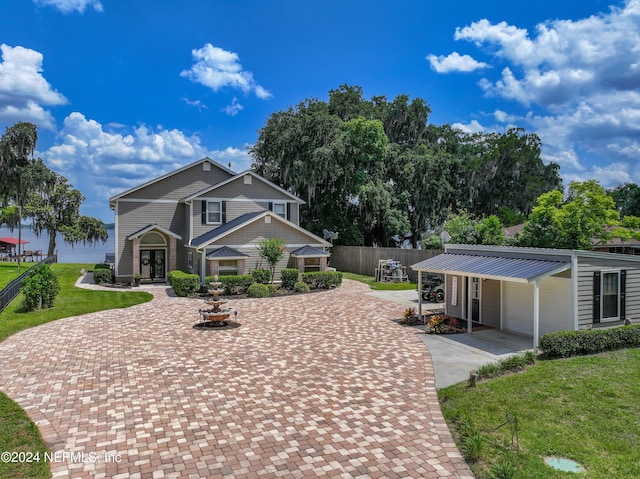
317	385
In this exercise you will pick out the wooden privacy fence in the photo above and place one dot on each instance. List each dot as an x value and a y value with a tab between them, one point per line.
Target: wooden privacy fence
364	259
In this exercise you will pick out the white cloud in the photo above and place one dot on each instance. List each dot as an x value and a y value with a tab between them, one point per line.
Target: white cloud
103	162
233	108
473	126
68	6
454	63
23	89
579	80
195	103
217	68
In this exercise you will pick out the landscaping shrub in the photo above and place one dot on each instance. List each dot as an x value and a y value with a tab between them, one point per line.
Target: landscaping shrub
102	266
234	283
300	287
502	470
322	279
102	276
289	277
261	276
184	284
258	290
40	288
565	344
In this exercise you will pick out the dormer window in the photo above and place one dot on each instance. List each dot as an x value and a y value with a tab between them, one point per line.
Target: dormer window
214	212
280	209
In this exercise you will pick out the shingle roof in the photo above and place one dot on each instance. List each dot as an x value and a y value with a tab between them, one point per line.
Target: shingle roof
510	269
225	252
220	230
309	251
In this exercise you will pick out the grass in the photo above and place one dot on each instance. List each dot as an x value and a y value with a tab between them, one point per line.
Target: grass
373	284
71	301
583	408
17	432
9	271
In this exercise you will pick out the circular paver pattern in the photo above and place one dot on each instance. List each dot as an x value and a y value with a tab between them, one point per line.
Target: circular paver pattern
317	385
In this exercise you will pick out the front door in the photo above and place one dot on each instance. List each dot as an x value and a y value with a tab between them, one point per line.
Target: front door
475	300
152	265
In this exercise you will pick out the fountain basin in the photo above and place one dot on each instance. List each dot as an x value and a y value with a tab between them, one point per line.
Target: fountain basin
210	315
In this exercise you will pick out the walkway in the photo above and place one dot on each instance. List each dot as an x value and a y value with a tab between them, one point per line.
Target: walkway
318	385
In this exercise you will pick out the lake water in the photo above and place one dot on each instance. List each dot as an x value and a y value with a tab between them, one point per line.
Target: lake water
67	253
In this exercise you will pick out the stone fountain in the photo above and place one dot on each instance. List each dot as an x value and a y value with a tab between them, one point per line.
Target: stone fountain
215	316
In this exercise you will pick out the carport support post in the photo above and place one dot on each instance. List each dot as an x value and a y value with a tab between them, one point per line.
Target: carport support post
420	296
536	314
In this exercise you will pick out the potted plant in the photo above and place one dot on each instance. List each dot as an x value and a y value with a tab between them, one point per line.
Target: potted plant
136	279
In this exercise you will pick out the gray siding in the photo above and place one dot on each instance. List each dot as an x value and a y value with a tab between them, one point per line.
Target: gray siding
491	303
132	216
586	267
254	232
257	189
182	184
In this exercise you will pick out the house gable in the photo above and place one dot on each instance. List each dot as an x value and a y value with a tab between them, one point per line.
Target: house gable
179	183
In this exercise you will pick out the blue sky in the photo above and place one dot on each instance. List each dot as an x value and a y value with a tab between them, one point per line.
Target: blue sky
123	91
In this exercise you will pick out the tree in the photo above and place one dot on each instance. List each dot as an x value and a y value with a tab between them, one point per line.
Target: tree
40	288
55	208
272	250
586	216
627	199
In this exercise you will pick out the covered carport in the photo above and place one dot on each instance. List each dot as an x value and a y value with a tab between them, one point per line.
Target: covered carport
525	292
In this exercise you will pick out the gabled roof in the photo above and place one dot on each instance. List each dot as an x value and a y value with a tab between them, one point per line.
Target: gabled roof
113	199
226	253
240	175
152	227
242	221
309	252
232	225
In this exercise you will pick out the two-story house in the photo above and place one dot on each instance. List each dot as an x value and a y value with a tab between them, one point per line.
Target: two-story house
203	218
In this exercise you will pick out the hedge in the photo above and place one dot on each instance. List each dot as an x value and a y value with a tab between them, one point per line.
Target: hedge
234	284
102	276
184	284
258	290
322	279
261	276
564	344
289	277
102	266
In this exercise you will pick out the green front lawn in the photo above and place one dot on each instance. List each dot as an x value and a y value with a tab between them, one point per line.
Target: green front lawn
71	301
18	434
373	284
583	408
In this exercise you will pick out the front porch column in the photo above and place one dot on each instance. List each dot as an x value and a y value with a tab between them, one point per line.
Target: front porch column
323	263
214	267
536	314
136	256
300	262
241	266
172	253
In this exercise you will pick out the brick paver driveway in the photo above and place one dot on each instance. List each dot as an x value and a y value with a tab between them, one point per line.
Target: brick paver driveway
317	385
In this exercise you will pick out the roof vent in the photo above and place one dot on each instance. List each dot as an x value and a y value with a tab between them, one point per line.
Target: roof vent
206	166
247	179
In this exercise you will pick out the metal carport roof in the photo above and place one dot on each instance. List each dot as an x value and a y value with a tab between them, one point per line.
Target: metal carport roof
520	270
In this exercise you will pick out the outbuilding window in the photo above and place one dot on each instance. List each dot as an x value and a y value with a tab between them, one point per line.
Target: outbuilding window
609	295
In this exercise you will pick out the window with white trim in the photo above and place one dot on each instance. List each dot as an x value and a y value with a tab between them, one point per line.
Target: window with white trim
214	212
280	209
